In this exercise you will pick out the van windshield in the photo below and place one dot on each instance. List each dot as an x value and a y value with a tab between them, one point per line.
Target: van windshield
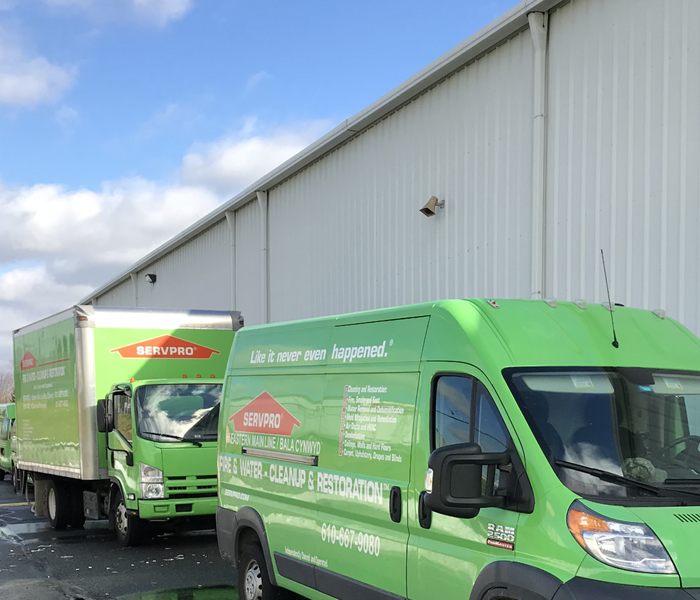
165	413
641	424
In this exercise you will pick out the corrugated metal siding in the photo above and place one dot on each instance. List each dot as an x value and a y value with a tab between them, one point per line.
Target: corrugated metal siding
249	263
624	153
120	295
346	234
196	275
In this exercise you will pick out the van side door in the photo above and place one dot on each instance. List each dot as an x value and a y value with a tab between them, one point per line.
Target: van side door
445	555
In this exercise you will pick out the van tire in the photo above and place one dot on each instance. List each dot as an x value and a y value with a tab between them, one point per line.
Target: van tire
129	528
253	579
58	504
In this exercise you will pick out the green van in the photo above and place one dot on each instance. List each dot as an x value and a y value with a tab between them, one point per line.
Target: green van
7	422
464	449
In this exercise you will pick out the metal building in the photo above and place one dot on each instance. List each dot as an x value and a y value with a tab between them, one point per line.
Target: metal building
560	129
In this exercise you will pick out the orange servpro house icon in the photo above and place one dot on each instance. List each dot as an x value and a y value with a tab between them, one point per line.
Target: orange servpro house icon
264	414
165	346
28	361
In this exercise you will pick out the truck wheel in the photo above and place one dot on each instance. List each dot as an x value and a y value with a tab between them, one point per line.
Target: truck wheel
253	580
129	528
77	510
2	474
58	504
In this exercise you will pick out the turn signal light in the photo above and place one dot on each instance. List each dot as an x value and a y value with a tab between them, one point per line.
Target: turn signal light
184	376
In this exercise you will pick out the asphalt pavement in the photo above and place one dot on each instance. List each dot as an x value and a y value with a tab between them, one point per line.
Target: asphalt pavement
37	563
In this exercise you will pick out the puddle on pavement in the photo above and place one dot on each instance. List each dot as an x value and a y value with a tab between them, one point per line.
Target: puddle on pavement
200	593
19	529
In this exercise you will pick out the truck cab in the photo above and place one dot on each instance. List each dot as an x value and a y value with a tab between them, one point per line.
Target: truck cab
7	421
161	440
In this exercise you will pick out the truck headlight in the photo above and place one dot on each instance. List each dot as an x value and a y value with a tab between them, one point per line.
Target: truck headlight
151	482
628	546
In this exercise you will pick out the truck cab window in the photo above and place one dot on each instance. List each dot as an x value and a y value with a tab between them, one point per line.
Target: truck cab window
5	432
122	408
465	413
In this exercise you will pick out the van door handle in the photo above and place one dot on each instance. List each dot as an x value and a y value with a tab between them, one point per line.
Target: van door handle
395	504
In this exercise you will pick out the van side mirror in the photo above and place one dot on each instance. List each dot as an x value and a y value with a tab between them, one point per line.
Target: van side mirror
460	488
10	411
105	415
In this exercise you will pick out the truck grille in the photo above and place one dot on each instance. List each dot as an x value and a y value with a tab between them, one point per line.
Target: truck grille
193	486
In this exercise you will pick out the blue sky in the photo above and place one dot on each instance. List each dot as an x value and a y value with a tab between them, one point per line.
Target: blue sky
143	115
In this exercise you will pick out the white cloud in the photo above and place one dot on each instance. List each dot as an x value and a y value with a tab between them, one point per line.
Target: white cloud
234	162
171	116
117	225
29	81
67	118
255	80
57	245
160	12
153	12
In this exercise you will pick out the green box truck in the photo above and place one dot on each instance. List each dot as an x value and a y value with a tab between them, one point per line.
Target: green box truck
464	449
116	413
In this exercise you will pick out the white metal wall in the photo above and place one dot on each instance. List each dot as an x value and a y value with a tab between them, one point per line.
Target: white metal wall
622	173
624	153
346	234
249	263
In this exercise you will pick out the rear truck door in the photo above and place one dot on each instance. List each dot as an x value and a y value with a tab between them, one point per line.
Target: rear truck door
120	449
446	554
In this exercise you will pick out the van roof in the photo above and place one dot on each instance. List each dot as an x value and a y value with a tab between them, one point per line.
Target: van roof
527	333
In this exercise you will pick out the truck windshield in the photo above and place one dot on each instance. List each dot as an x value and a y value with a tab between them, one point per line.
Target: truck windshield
640	424
187	411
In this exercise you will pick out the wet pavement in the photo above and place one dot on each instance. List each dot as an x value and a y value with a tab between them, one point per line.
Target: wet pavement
37	563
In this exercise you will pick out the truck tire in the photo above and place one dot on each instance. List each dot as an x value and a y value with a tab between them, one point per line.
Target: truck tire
253	580
58	504
129	528
77	510
2	474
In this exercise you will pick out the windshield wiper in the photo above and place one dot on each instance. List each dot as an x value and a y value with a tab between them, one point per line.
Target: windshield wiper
175	437
621	480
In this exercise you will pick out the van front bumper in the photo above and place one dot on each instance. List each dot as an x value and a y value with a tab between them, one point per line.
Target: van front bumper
176	508
579	588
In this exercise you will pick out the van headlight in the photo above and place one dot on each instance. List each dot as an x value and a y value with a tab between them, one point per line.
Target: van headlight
628	546
151	482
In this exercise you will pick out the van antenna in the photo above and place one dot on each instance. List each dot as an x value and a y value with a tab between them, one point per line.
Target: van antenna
615	343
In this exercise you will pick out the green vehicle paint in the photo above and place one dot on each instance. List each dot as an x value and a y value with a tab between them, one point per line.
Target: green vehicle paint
7	421
65	364
323	420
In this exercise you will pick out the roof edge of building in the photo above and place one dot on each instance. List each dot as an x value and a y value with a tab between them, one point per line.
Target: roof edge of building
475	45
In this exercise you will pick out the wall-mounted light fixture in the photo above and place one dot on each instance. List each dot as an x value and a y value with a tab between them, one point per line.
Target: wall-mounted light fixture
151	277
429	209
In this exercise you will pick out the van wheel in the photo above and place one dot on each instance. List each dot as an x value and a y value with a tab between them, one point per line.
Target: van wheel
129	528
58	504
253	580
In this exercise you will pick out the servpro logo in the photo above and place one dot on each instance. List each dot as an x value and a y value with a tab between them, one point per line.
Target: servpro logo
165	346
28	361
264	414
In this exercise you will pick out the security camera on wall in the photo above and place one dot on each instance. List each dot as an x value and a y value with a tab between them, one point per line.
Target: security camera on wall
429	209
